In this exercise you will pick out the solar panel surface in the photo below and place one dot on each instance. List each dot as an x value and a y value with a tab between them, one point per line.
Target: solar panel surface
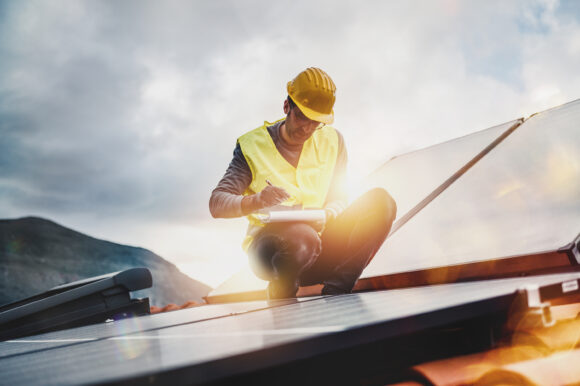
129	326
218	347
522	198
410	177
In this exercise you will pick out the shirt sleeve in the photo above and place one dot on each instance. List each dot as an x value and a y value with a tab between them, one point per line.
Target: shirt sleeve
226	198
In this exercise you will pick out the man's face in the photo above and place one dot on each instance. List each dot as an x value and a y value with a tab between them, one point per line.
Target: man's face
298	127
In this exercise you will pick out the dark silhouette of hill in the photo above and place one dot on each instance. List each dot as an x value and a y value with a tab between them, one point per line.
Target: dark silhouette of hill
37	254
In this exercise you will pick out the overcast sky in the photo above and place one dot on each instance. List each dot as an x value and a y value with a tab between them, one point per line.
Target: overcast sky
118	118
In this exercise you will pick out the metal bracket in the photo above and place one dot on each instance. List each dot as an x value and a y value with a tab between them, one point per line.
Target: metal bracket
529	311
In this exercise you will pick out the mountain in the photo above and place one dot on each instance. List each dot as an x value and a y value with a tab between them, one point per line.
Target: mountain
37	254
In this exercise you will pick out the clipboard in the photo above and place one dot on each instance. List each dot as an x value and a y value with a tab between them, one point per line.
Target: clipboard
308	215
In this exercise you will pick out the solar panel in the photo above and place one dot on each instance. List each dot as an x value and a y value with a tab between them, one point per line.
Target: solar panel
411	177
132	325
223	347
522	198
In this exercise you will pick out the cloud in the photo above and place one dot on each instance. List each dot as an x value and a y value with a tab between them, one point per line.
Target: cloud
120	118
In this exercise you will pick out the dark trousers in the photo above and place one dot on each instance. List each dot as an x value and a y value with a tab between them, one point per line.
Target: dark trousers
292	254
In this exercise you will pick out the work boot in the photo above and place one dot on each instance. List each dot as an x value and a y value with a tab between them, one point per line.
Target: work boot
279	289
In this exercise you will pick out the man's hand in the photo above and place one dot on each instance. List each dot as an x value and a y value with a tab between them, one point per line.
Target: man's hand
331	214
334	209
270	196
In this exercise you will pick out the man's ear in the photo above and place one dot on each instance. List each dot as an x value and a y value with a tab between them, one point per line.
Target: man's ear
286	107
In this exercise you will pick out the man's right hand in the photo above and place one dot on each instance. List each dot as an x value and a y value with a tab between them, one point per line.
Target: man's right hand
271	195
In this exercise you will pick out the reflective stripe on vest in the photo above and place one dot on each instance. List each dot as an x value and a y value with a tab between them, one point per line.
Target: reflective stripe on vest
307	184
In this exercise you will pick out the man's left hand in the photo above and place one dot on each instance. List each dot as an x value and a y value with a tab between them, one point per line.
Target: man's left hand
331	214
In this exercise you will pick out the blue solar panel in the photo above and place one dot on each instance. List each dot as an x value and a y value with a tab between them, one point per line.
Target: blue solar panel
129	326
224	346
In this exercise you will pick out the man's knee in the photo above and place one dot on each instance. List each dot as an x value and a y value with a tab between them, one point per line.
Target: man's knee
284	250
261	253
383	204
303	243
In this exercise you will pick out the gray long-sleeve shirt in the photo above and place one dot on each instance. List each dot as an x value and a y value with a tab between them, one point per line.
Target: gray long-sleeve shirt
226	198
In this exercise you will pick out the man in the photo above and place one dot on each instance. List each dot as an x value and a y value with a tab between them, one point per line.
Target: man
299	162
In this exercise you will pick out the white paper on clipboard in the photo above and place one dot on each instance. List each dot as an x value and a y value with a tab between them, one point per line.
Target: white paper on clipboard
309	215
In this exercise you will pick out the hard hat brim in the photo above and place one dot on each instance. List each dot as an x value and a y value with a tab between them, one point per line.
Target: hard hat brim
311	114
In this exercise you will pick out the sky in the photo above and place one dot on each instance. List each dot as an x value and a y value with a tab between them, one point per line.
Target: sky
117	119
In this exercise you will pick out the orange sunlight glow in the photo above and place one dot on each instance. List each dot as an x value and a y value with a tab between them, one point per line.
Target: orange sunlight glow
508	189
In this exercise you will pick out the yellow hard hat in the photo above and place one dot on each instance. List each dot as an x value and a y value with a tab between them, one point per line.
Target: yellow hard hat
313	91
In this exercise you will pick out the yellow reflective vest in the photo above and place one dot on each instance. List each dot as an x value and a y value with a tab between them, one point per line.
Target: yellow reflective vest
307	183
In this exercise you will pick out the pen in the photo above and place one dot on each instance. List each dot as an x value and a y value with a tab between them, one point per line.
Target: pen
269	183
